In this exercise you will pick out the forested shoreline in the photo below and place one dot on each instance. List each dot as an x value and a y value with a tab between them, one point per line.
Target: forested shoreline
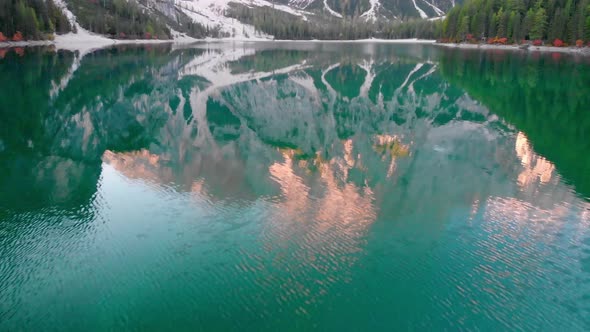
31	19
282	25
119	19
556	22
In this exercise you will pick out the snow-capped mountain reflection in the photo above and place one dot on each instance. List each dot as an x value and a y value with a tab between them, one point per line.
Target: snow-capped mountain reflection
228	117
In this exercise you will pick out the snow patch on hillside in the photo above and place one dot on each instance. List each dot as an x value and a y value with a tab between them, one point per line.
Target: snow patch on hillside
420	11
283	8
330	10
64	9
437	10
437	18
300	3
371	14
212	13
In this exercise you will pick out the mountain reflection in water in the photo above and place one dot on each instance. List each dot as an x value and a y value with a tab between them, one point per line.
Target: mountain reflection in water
263	186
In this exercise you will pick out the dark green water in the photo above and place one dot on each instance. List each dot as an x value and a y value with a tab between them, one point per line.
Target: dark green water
329	187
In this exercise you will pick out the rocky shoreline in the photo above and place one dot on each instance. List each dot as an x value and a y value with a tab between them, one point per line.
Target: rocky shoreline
85	41
524	48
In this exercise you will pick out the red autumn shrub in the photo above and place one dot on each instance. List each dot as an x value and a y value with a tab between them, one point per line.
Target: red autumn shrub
469	36
18	36
3	37
537	42
497	40
122	35
579	43
558	43
147	35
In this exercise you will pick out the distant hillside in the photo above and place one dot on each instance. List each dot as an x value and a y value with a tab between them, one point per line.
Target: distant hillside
284	19
567	20
375	9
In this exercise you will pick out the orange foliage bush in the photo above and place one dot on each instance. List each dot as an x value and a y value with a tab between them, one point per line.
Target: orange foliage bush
18	36
3	37
579	43
496	40
537	42
558	43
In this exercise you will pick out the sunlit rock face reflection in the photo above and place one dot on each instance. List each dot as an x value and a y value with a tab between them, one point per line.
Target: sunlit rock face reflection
261	186
536	167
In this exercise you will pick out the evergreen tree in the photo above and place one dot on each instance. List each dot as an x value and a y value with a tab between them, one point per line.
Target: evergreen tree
568	20
539	24
516	33
502	20
34	19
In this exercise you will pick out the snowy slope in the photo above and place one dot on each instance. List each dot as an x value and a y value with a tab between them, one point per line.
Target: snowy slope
300	3
330	10
212	13
371	14
422	13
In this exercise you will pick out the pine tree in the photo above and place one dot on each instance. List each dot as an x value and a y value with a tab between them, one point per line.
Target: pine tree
511	23
568	20
502	21
516	28
539	24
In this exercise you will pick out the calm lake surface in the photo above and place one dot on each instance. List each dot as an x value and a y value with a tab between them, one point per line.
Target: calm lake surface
276	187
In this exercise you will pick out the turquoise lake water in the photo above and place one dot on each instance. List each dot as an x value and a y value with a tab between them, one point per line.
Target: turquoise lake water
294	187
